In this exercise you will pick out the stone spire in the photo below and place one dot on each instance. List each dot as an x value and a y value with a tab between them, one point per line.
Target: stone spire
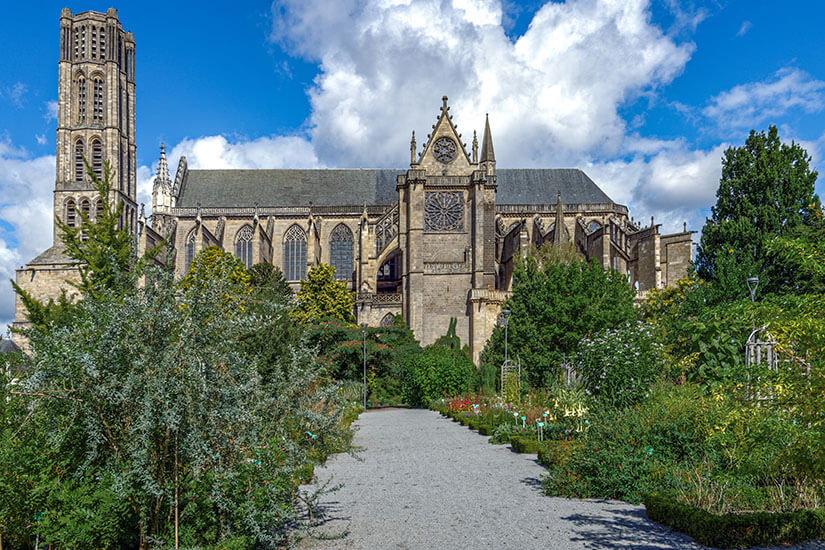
475	148
162	189
560	232
412	149
488	156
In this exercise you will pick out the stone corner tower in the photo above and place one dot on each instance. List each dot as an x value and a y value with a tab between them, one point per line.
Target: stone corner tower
95	114
446	234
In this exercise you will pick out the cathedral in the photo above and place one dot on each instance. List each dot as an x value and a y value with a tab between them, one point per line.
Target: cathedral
431	242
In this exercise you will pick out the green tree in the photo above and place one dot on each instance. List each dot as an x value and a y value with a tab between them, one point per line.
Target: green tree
553	307
321	296
268	283
437	372
42	314
213	264
766	190
274	334
160	407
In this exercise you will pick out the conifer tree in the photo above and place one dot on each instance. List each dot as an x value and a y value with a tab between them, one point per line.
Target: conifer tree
766	191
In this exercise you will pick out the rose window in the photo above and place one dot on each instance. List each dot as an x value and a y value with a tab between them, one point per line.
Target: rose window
444	211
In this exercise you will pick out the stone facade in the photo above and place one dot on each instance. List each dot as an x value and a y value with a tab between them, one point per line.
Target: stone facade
436	241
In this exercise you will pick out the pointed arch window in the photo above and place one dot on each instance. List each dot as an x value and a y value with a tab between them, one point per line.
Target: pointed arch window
71	213
86	207
295	254
81	99
190	249
98	99
97	158
340	252
243	245
79	151
388	320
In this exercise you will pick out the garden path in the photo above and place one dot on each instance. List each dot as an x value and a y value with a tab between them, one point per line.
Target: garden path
424	481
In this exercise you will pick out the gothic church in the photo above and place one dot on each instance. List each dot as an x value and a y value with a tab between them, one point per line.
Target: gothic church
431	242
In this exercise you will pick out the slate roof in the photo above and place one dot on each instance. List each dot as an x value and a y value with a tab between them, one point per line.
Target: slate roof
244	188
227	188
53	255
7	346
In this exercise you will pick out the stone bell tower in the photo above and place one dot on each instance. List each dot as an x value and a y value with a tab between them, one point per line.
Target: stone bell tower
95	114
95	121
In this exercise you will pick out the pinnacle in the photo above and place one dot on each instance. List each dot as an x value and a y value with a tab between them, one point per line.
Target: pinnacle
487	153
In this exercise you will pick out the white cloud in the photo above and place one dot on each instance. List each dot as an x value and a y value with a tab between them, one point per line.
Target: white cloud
746	26
747	105
264	152
50	111
217	152
17	94
673	185
40	138
26	185
553	94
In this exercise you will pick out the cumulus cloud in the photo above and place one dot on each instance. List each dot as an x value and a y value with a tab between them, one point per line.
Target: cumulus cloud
747	105
218	152
672	185
26	185
553	94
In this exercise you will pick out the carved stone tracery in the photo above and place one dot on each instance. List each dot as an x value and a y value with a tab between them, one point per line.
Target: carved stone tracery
444	211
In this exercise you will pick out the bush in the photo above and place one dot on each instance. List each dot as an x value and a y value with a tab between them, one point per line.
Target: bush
618	366
627	453
437	372
736	530
528	445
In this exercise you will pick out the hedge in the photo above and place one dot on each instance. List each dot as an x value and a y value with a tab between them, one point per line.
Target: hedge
525	444
736	530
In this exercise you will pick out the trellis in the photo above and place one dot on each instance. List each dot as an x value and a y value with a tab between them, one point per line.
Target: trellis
759	351
509	369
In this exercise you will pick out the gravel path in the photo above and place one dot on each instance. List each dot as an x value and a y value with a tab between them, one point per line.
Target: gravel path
424	481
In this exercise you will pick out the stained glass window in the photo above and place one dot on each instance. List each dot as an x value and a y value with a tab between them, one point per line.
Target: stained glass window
295	254
190	249
444	211
243	245
340	252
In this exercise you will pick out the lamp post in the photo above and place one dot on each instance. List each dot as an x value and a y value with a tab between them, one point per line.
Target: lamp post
364	329
505	316
753	282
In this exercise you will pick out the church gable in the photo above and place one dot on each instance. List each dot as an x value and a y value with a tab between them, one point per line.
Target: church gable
444	152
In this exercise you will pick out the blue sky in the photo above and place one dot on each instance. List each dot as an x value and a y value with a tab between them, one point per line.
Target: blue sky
643	95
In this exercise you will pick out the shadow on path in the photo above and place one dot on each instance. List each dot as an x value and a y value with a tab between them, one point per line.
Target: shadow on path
623	528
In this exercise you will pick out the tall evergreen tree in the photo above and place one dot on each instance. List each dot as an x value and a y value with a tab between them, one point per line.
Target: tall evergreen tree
322	296
766	191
